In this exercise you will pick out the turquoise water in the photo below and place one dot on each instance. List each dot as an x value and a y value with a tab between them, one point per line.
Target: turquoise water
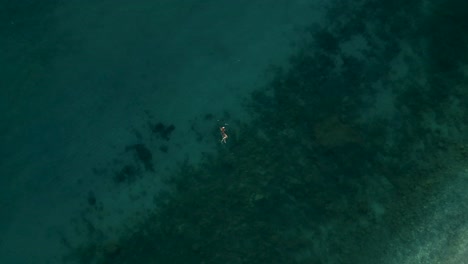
346	140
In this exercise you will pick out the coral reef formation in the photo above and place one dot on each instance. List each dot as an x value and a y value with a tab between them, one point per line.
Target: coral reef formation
346	148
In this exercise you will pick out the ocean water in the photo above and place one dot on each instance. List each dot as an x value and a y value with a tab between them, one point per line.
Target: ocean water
343	122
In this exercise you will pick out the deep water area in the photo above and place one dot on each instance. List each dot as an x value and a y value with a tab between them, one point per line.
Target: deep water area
355	150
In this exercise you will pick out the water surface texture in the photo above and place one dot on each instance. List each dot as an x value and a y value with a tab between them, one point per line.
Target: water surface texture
345	121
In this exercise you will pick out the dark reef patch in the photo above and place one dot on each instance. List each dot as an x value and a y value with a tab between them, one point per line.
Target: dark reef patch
91	199
143	155
127	174
161	130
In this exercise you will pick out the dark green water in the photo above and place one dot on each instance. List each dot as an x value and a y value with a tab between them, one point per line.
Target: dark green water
355	152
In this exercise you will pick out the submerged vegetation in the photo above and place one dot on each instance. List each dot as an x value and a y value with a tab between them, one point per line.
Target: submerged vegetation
347	144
